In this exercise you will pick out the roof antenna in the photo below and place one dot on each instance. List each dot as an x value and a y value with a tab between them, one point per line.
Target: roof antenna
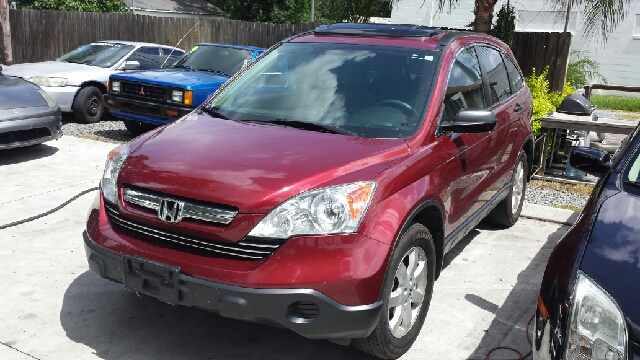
185	35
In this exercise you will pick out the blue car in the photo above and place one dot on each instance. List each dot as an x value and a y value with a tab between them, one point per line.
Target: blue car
146	99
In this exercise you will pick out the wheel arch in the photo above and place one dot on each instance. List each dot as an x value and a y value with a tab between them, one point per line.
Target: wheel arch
102	87
528	148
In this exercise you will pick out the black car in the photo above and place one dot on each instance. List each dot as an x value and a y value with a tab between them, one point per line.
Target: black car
589	302
28	114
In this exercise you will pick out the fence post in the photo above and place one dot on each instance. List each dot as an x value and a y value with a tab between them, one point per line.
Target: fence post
587	92
5	29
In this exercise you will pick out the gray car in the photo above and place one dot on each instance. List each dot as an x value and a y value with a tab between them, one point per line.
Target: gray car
77	80
28	114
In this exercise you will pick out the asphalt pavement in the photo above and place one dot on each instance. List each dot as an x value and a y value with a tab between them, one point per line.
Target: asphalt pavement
52	307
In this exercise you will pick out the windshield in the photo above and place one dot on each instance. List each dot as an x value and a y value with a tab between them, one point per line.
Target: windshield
364	90
222	59
98	54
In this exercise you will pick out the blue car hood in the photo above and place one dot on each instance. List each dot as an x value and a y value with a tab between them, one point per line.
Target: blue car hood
174	78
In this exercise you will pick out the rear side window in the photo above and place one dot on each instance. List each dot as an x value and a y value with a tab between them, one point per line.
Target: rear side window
170	56
515	78
148	57
496	74
464	89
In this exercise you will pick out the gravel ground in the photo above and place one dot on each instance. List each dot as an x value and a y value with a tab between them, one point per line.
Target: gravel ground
110	129
555	198
607	114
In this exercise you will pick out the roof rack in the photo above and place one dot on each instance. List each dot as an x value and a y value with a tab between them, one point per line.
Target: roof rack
385	30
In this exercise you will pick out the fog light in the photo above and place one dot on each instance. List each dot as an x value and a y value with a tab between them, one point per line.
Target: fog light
172	113
111	102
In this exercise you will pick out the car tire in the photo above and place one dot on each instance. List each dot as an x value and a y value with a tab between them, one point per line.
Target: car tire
391	341
137	128
508	210
88	106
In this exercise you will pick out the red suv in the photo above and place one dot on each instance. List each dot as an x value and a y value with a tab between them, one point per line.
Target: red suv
321	186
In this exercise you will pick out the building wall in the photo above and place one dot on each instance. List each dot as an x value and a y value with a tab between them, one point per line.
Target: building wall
619	58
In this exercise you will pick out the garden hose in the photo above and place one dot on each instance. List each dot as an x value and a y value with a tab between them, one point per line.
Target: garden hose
15	223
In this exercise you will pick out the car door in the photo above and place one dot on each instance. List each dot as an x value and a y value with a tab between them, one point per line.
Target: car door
148	57
467	173
507	106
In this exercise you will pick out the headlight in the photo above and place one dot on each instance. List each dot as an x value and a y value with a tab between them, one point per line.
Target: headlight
48	81
176	95
336	209
184	97
50	101
109	183
115	86
597	329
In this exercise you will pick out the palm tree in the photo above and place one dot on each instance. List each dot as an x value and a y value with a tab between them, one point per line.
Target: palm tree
598	15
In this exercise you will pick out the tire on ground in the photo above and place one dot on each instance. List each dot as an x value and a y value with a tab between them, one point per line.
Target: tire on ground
88	106
136	127
381	342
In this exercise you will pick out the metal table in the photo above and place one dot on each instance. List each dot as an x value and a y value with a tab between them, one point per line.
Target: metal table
582	123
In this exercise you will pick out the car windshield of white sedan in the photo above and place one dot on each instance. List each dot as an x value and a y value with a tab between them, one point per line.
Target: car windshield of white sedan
222	60
98	54
360	90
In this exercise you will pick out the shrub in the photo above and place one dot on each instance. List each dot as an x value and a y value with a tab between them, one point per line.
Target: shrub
582	69
544	100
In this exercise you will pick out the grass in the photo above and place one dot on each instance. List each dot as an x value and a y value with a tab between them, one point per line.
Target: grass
626	115
568	207
580	189
610	102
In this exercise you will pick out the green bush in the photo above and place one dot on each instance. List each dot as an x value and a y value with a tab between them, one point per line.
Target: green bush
544	100
582	70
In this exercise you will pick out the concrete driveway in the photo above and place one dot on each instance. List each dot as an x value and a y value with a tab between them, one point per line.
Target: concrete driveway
52	307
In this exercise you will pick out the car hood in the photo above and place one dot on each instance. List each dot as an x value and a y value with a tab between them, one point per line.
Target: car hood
612	255
75	73
253	167
16	93
175	78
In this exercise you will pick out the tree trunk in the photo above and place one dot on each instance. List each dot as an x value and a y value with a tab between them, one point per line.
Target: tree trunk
483	15
5	34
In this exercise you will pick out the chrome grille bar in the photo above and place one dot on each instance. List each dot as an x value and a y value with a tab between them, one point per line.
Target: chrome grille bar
246	250
190	210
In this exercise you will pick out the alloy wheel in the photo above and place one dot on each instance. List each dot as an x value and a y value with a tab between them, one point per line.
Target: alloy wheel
518	187
407	294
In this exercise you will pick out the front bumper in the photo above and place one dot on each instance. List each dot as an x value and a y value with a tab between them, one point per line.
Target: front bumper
144	111
29	127
64	95
305	311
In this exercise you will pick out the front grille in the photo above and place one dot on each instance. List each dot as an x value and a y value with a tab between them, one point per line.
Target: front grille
190	209
144	91
254	249
12	137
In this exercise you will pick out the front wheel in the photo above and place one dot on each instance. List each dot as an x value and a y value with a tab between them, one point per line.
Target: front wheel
406	294
88	106
136	127
508	210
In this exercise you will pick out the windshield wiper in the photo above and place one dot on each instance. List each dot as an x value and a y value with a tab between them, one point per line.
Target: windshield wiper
184	67
74	62
213	113
305	126
216	72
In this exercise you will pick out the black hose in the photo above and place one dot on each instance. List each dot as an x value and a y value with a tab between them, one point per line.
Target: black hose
15	223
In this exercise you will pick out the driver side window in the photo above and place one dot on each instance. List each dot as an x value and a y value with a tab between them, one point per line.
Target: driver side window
465	89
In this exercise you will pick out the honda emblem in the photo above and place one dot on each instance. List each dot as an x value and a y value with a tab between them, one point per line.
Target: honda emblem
170	211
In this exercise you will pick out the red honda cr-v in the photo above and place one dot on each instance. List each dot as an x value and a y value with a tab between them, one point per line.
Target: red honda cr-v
321	186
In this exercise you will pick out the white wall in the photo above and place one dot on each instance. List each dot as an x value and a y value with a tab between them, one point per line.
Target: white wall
619	58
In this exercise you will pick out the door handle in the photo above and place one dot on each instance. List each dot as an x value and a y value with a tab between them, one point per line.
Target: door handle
518	108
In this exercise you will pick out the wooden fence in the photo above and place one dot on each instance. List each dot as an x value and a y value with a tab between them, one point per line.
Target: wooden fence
537	50
39	35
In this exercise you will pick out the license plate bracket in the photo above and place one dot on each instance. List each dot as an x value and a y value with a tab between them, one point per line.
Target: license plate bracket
151	278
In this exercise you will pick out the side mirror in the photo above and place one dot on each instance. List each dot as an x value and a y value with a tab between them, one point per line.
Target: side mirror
471	121
130	65
592	161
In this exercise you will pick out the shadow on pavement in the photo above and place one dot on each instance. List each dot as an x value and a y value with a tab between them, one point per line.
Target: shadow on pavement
22	154
508	326
118	324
